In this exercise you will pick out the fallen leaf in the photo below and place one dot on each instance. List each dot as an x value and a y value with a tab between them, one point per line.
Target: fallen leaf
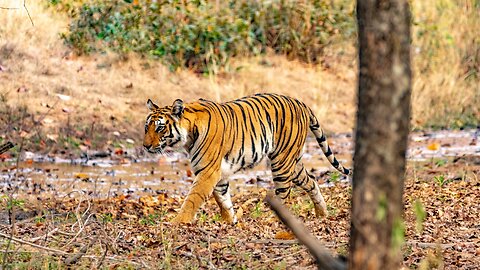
52	137
129	216
239	213
433	146
24	134
284	235
150	201
81	176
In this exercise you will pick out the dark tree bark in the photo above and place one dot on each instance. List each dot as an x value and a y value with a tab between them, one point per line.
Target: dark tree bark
383	117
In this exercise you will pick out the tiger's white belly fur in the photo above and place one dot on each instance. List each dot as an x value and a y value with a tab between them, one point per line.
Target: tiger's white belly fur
229	168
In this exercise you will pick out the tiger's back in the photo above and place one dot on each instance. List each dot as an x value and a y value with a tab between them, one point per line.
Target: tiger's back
251	129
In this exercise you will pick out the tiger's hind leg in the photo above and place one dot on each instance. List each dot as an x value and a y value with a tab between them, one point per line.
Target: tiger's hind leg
307	182
282	172
223	199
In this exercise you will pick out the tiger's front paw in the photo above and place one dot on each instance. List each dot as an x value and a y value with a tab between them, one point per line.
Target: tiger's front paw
229	217
181	219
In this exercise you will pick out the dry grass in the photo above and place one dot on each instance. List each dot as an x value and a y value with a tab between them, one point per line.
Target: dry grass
446	57
111	90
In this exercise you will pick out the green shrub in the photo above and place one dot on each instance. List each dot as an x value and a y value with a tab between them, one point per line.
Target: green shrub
204	35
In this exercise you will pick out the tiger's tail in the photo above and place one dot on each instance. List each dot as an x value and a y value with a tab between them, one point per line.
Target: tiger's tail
322	141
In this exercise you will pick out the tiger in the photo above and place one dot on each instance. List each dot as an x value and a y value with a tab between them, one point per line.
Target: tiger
224	138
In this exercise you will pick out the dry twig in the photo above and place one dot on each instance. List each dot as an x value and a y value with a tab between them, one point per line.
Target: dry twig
49	234
52	250
75	257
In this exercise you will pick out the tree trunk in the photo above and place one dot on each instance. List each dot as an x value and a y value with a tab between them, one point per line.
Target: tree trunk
381	135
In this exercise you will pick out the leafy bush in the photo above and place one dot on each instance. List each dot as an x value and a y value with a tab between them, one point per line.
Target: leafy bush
204	35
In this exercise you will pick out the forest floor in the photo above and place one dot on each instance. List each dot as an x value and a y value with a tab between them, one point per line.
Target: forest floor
44	227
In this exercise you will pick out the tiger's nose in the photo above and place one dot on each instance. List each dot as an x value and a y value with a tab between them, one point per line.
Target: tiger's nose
147	146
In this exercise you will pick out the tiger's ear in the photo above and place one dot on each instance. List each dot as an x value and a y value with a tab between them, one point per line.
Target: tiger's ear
177	108
151	106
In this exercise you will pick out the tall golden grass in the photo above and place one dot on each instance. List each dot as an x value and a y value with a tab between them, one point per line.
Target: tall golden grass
446	63
111	90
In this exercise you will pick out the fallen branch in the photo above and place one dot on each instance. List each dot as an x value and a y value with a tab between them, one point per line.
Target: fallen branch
323	258
436	245
282	257
75	257
199	259
33	244
64	253
79	231
49	234
265	242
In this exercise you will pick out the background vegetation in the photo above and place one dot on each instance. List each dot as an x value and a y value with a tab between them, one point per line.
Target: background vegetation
205	35
104	57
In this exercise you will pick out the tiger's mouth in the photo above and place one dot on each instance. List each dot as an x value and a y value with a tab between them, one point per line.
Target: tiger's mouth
159	149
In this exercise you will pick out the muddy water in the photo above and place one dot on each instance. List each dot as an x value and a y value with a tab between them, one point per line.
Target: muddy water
139	175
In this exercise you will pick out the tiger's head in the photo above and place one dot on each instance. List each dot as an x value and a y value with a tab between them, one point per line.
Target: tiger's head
163	127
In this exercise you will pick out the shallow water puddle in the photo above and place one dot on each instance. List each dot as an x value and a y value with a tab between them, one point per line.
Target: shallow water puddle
138	176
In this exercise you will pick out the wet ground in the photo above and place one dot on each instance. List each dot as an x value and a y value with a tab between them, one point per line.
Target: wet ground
132	172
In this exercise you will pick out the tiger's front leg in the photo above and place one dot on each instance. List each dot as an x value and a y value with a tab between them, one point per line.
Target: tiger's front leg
202	189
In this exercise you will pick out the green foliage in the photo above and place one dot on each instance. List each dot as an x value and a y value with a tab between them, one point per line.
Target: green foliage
217	218
151	219
334	177
440	162
440	180
204	35
107	218
420	215
202	217
9	202
257	211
